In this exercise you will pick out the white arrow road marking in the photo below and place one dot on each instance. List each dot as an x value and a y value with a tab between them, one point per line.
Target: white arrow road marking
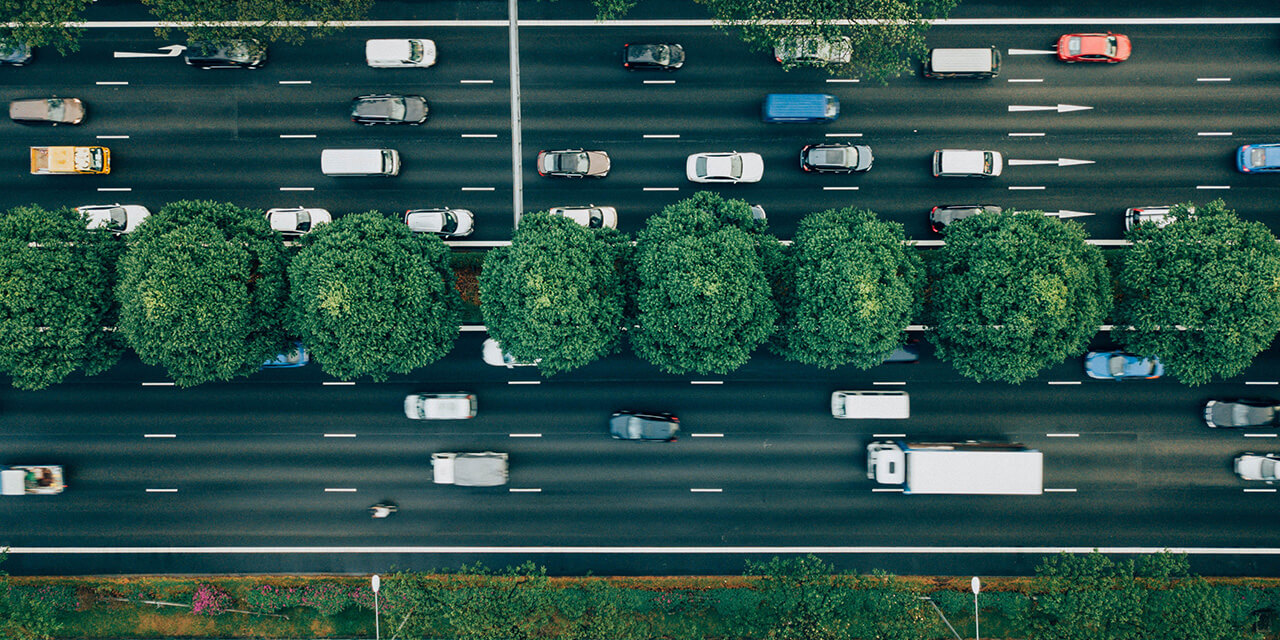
1061	162
1031	52
1061	108
171	51
1067	213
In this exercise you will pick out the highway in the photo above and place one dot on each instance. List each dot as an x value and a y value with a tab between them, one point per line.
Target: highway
274	473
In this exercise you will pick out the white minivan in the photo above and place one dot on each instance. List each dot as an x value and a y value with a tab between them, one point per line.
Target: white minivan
967	163
871	405
360	162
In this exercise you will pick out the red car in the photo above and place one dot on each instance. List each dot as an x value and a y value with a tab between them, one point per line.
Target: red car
1093	47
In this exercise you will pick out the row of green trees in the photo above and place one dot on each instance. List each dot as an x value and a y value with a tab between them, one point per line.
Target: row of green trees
208	291
885	35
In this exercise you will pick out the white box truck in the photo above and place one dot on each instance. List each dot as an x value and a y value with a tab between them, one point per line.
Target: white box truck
23	480
483	469
971	468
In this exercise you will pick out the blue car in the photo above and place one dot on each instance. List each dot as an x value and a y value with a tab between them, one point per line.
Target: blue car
295	357
1118	365
1258	158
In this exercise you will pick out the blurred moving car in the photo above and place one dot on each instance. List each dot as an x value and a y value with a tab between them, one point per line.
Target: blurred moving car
492	354
297	221
1118	365
1157	215
1258	158
389	108
941	216
840	157
51	111
573	163
589	216
1242	413
728	167
442	221
297	356
14	54
1258	466
655	427
440	406
813	49
1094	47
663	56
226	54
400	53
116	218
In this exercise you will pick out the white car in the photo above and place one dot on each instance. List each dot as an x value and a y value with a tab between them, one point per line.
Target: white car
967	163
590	216
442	221
1158	216
440	406
1253	466
813	49
731	167
494	356
117	218
297	221
400	53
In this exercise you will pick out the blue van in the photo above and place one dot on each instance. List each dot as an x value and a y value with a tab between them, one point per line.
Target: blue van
800	107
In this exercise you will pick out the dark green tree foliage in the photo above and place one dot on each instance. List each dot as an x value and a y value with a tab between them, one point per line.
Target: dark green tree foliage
1014	293
855	290
1091	597
704	302
202	291
369	297
264	18
1212	274
555	293
56	296
805	598
881	49
43	23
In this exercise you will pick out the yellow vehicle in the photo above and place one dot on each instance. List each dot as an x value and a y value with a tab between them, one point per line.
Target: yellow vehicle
59	160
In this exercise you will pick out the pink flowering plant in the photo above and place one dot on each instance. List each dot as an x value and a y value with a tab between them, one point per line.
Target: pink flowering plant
210	601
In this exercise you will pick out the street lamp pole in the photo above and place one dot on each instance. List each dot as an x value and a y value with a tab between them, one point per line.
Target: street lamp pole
976	586
377	584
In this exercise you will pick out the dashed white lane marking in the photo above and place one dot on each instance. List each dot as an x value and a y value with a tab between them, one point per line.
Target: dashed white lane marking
1259	435
478	188
339	490
1262	383
338	383
475	82
1026	79
479	135
295	82
1026	188
297	188
1026	135
112	137
888	435
112	83
162	490
1048	490
1062	435
844	135
846	80
514	490
839	188
524	435
159	435
1213	79
1259	490
706	382
651	136
339	435
297	136
1203	187
158	384
706	490
888	384
115	188
706	435
881	490
662	188
659	81
1065	382
524	382
1214	133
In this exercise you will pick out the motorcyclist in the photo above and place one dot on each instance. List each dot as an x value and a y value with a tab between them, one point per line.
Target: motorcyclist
383	509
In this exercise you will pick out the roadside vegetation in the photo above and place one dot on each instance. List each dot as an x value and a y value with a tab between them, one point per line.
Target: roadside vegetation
208	291
1071	597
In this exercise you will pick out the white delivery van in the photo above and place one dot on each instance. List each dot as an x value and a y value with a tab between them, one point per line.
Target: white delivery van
872	405
360	162
962	63
966	468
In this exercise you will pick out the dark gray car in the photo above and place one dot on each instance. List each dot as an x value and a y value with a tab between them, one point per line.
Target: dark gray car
667	57
389	109
1241	413
14	54
227	54
940	217
629	425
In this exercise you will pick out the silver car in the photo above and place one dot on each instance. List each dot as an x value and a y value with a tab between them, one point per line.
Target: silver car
440	406
1255	466
51	111
442	221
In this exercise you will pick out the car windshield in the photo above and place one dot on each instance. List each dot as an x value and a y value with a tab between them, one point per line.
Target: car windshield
597	218
1267	469
735	167
304	221
1115	365
1073	45
1257	157
448	222
415	51
1111	45
238	51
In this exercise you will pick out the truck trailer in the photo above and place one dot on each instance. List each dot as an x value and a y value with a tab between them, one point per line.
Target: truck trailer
70	160
971	468
483	469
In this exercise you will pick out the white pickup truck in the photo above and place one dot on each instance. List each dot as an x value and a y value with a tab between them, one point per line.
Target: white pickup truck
21	480
483	469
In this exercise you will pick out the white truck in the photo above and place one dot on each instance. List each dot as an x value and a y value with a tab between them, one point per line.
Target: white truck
70	160
971	468
22	480
482	469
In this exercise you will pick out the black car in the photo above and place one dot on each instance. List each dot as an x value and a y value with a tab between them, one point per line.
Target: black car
1241	413
389	109
229	54
629	425
14	54
667	57
940	217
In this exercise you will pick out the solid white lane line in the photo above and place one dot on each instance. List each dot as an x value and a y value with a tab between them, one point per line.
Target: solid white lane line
889	384
1026	135
662	188
1214	133
339	490
514	490
524	382
839	188
525	435
835	80
1262	383
706	382
716	550
115	188
650	136
297	136
158	384
338	383
339	435
112	137
1062	435
659	81
706	490
478	188
1259	435
1213	79
295	82
475	81
162	490
882	490
479	135
1048	490
706	435
1212	186
159	435
1064	382
297	188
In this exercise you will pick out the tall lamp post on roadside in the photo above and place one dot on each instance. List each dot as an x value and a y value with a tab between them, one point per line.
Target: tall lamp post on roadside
377	584
976	586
